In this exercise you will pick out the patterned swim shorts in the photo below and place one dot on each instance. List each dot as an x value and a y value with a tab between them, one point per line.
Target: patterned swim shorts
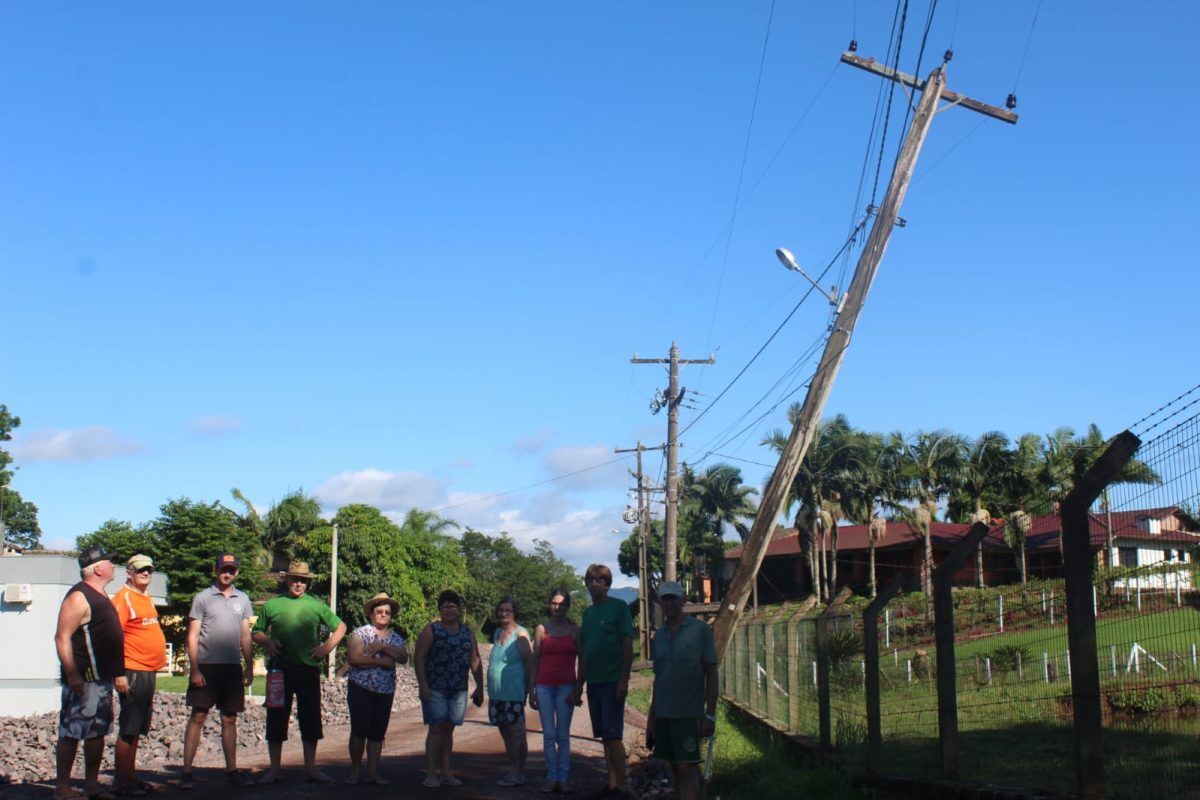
505	712
87	714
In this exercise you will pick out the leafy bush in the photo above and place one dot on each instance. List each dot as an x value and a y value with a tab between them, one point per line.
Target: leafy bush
849	732
1005	657
843	646
1140	699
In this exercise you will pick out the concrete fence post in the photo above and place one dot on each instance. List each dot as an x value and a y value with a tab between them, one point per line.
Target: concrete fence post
1079	568
871	670
943	629
824	712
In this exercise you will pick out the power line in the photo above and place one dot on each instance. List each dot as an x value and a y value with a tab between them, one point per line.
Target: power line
531	485
762	61
771	338
1028	40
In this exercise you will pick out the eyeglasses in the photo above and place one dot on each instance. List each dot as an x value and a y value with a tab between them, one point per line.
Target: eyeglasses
145	571
504	611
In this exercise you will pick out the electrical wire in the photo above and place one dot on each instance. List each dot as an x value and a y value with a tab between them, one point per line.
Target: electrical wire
1028	40
762	61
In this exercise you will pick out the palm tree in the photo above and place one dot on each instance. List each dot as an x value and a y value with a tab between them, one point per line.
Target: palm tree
826	475
987	461
879	487
934	467
1025	493
428	523
288	524
709	503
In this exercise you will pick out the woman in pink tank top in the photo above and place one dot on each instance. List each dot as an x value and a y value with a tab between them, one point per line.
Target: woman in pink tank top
556	691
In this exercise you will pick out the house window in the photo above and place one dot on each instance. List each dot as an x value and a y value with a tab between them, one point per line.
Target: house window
1166	555
1127	557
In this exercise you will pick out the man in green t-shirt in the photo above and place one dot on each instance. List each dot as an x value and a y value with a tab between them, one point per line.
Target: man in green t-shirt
288	627
606	639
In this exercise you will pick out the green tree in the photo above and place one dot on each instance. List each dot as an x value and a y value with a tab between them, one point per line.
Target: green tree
18	517
933	465
371	559
190	535
828	472
627	556
988	460
184	542
287	526
709	504
498	568
123	539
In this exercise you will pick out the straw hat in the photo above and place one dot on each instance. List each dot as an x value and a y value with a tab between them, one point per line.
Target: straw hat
299	569
378	600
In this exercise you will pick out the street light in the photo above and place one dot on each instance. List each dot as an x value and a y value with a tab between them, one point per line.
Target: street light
788	260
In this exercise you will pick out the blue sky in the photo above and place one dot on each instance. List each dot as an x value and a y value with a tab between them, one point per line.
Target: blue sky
402	254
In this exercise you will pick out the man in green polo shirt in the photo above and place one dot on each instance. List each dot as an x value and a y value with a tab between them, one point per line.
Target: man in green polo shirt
606	641
684	704
288	627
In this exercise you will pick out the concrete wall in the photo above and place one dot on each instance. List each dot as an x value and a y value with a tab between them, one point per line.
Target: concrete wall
29	680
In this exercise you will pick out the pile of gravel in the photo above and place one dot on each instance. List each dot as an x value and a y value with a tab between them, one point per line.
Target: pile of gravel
27	743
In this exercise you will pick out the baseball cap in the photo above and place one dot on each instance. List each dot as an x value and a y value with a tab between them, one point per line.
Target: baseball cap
670	587
139	561
94	554
227	560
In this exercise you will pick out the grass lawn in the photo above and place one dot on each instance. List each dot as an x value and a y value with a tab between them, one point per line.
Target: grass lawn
178	684
751	762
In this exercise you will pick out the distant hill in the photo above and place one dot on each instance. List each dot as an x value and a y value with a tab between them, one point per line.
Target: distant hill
628	594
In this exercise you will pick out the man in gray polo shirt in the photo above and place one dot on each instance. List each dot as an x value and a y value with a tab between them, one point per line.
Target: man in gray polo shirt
684	704
222	663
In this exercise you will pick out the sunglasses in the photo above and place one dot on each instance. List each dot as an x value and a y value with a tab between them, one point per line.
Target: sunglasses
145	571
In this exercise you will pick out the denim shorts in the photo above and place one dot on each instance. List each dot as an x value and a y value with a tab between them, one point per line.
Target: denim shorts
444	707
606	710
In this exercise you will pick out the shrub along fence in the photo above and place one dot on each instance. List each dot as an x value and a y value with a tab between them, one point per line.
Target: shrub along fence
1087	685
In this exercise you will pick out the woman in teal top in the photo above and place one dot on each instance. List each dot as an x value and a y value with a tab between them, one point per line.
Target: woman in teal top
510	671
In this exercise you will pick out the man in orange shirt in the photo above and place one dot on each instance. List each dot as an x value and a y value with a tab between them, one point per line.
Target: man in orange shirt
145	655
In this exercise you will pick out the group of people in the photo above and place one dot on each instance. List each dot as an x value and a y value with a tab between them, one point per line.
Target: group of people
117	646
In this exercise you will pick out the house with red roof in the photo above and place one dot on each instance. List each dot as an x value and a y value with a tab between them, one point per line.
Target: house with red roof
1158	539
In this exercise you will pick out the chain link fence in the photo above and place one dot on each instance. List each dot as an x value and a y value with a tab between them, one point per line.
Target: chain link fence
984	690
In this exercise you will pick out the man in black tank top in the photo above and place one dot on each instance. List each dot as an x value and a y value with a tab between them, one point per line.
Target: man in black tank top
91	651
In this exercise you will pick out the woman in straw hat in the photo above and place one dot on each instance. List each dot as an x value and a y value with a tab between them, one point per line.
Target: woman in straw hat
373	653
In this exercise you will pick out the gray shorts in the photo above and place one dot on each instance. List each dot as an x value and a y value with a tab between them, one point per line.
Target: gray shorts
87	714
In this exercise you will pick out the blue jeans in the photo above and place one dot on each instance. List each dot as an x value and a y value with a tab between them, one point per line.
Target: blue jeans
556	715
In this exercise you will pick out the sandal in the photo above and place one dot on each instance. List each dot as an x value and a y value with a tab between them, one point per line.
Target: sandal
186	781
450	780
268	779
431	782
132	790
377	781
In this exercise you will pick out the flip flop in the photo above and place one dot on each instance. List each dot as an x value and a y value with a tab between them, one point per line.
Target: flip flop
378	781
450	780
353	779
186	781
431	782
268	779
319	777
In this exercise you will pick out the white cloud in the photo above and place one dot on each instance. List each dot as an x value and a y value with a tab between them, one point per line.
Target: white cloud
532	444
92	443
579	532
586	466
213	425
387	491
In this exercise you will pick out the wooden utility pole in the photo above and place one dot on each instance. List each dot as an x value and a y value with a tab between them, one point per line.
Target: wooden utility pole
643	522
933	89
673	399
333	579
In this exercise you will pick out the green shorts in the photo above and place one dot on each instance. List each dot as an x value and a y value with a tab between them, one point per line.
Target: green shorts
677	740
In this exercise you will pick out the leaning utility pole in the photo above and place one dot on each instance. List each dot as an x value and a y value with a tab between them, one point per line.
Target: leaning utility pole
673	398
933	89
643	522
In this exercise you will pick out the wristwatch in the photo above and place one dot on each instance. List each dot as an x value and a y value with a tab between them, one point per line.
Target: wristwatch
710	717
